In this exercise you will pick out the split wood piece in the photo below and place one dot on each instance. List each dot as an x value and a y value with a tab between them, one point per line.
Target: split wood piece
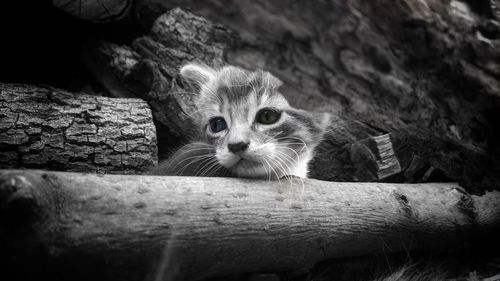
54	129
375	155
119	227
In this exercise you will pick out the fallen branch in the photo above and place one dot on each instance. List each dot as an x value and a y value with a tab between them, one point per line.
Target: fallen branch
118	227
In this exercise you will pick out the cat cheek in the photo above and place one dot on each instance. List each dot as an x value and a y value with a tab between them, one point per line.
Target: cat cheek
226	158
257	149
269	148
221	155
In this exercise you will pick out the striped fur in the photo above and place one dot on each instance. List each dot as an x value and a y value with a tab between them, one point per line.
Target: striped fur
274	151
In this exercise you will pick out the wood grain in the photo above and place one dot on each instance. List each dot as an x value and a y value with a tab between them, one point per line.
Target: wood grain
205	227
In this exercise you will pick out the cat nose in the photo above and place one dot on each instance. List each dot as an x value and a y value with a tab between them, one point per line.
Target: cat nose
237	147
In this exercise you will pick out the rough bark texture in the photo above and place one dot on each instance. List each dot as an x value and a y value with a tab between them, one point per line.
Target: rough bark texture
178	228
427	72
53	129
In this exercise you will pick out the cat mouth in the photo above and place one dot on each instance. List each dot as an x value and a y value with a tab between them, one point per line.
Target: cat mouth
240	162
244	161
249	168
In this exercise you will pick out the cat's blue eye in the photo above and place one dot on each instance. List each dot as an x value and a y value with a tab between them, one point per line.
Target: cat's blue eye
217	124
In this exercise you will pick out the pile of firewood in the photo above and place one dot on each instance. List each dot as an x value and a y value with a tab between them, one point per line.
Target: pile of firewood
414	88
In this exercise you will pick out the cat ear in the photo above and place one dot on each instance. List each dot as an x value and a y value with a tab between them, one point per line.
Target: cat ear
197	75
270	81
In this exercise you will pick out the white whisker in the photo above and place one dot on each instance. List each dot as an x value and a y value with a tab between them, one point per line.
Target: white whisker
296	138
205	162
196	160
195	157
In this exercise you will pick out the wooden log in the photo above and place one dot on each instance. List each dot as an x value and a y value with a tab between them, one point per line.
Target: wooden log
427	72
118	227
43	127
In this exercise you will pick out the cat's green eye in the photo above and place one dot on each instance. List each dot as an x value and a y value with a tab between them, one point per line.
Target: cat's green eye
267	116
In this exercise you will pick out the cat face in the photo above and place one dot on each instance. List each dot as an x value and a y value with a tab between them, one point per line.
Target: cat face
252	129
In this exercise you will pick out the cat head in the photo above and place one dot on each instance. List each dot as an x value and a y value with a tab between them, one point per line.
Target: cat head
253	130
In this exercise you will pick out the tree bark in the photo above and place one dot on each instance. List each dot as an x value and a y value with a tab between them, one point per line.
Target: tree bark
53	129
118	227
427	72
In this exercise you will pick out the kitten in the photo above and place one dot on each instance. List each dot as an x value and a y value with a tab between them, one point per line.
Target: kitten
247	128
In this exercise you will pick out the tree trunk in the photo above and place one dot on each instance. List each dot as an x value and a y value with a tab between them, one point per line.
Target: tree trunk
53	129
179	228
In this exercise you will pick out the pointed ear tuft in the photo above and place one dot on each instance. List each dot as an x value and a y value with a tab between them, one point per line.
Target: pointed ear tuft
197	74
276	82
270	81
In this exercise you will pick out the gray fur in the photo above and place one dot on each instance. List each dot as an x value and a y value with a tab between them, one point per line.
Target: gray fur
275	150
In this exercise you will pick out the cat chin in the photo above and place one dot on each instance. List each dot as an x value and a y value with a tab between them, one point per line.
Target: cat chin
244	167
249	169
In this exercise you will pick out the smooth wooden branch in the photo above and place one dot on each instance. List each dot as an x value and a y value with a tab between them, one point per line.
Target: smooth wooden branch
119	227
